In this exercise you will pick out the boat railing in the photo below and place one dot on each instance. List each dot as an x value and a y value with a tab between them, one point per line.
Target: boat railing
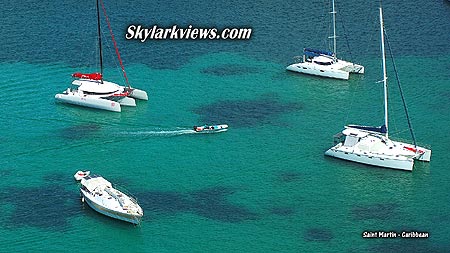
126	192
338	138
114	195
299	58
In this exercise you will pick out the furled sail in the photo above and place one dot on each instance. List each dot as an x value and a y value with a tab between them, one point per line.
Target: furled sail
381	129
315	52
91	76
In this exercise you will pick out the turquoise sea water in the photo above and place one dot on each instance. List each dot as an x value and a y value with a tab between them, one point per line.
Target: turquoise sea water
262	186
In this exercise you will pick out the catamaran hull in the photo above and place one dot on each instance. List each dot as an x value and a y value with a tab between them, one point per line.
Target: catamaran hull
371	145
385	162
86	101
374	148
139	94
352	68
426	157
339	70
318	70
134	219
126	101
96	86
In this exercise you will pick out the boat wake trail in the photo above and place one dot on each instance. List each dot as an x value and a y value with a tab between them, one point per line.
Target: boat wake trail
162	133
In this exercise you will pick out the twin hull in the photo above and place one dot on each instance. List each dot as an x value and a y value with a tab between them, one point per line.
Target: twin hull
102	102
338	70
318	70
139	94
399	162
88	101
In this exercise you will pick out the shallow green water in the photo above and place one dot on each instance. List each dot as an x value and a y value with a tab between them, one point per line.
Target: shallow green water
262	186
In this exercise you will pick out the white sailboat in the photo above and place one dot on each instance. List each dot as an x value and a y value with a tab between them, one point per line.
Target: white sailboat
90	90
325	63
372	145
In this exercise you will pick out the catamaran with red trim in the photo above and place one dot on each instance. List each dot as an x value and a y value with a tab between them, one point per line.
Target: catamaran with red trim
372	145
91	90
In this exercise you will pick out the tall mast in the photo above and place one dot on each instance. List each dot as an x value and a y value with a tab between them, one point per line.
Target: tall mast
384	74
99	42
333	13
115	44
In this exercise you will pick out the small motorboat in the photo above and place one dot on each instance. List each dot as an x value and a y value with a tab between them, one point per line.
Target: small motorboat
211	128
101	196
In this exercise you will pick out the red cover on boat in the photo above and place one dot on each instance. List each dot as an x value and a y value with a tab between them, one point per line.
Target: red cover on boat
92	76
124	94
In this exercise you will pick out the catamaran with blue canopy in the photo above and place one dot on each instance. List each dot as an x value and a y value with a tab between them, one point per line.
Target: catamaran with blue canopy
372	145
325	63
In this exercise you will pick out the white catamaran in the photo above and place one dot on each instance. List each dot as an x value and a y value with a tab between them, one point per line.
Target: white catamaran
371	145
90	90
325	63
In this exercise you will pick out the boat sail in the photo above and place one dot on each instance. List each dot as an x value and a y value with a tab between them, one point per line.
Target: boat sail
372	145
91	90
325	63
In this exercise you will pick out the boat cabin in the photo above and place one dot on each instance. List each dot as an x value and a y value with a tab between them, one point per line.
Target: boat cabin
349	137
323	60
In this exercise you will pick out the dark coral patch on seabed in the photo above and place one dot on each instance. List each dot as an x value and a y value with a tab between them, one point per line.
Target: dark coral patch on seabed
380	211
318	234
245	113
47	207
210	203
